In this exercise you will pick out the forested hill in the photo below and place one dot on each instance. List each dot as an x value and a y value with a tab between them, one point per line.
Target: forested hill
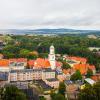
48	31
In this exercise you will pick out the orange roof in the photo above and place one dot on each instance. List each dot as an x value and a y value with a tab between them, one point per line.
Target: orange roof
66	71
95	78
58	64
83	67
4	63
31	63
83	60
39	63
18	60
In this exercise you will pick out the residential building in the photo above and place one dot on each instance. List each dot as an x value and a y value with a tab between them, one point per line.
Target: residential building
48	74
4	65
53	82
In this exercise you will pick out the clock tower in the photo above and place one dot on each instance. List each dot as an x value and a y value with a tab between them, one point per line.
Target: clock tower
52	57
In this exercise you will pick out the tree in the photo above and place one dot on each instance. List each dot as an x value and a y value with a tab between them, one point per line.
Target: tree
12	93
65	65
62	88
42	98
76	76
87	93
96	88
89	73
90	92
24	52
59	97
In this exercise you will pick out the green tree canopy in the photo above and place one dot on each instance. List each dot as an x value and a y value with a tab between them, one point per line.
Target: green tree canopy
89	73
24	52
59	97
62	88
76	76
90	92
12	93
65	65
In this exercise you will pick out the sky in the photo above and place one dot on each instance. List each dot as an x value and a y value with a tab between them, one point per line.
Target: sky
33	14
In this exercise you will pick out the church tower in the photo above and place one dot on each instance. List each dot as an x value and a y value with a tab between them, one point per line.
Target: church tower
52	57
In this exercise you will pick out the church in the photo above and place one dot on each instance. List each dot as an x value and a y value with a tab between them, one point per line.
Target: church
49	62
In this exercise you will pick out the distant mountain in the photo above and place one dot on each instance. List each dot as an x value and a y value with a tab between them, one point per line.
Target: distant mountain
48	31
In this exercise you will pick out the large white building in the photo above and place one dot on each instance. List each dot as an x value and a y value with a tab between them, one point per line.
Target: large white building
52	57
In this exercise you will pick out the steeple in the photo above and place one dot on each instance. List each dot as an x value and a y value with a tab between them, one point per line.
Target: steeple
52	57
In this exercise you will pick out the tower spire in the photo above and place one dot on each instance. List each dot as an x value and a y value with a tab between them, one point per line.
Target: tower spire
52	57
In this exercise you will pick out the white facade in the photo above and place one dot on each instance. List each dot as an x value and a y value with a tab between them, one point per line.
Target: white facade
4	69
52	57
48	75
54	83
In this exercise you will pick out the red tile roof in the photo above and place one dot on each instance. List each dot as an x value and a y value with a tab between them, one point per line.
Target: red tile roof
4	63
83	60
18	60
31	63
58	64
83	67
42	63
39	63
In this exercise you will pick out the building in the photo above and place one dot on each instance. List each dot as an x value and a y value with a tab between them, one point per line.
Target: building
4	65
21	75
83	68
17	64
39	63
48	74
52	57
37	74
77	60
31	74
53	82
59	75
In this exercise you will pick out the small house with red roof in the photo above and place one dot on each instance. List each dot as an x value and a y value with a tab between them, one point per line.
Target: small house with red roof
17	64
4	65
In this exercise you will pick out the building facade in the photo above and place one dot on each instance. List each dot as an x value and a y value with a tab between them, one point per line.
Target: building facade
52	57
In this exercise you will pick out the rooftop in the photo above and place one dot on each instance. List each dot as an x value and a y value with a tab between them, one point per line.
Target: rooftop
44	85
52	79
48	70
90	81
24	70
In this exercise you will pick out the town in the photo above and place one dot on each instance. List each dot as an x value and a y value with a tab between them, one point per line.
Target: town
45	74
49	49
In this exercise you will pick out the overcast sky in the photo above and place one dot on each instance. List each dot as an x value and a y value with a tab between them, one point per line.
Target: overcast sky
30	14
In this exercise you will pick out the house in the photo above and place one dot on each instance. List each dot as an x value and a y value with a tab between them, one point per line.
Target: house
77	59
53	82
59	75
89	81
83	68
39	63
4	65
17	64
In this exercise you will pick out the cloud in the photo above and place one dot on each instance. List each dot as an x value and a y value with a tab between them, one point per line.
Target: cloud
83	14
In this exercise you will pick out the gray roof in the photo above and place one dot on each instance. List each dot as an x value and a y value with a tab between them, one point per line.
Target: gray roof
24	70
48	70
52	79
